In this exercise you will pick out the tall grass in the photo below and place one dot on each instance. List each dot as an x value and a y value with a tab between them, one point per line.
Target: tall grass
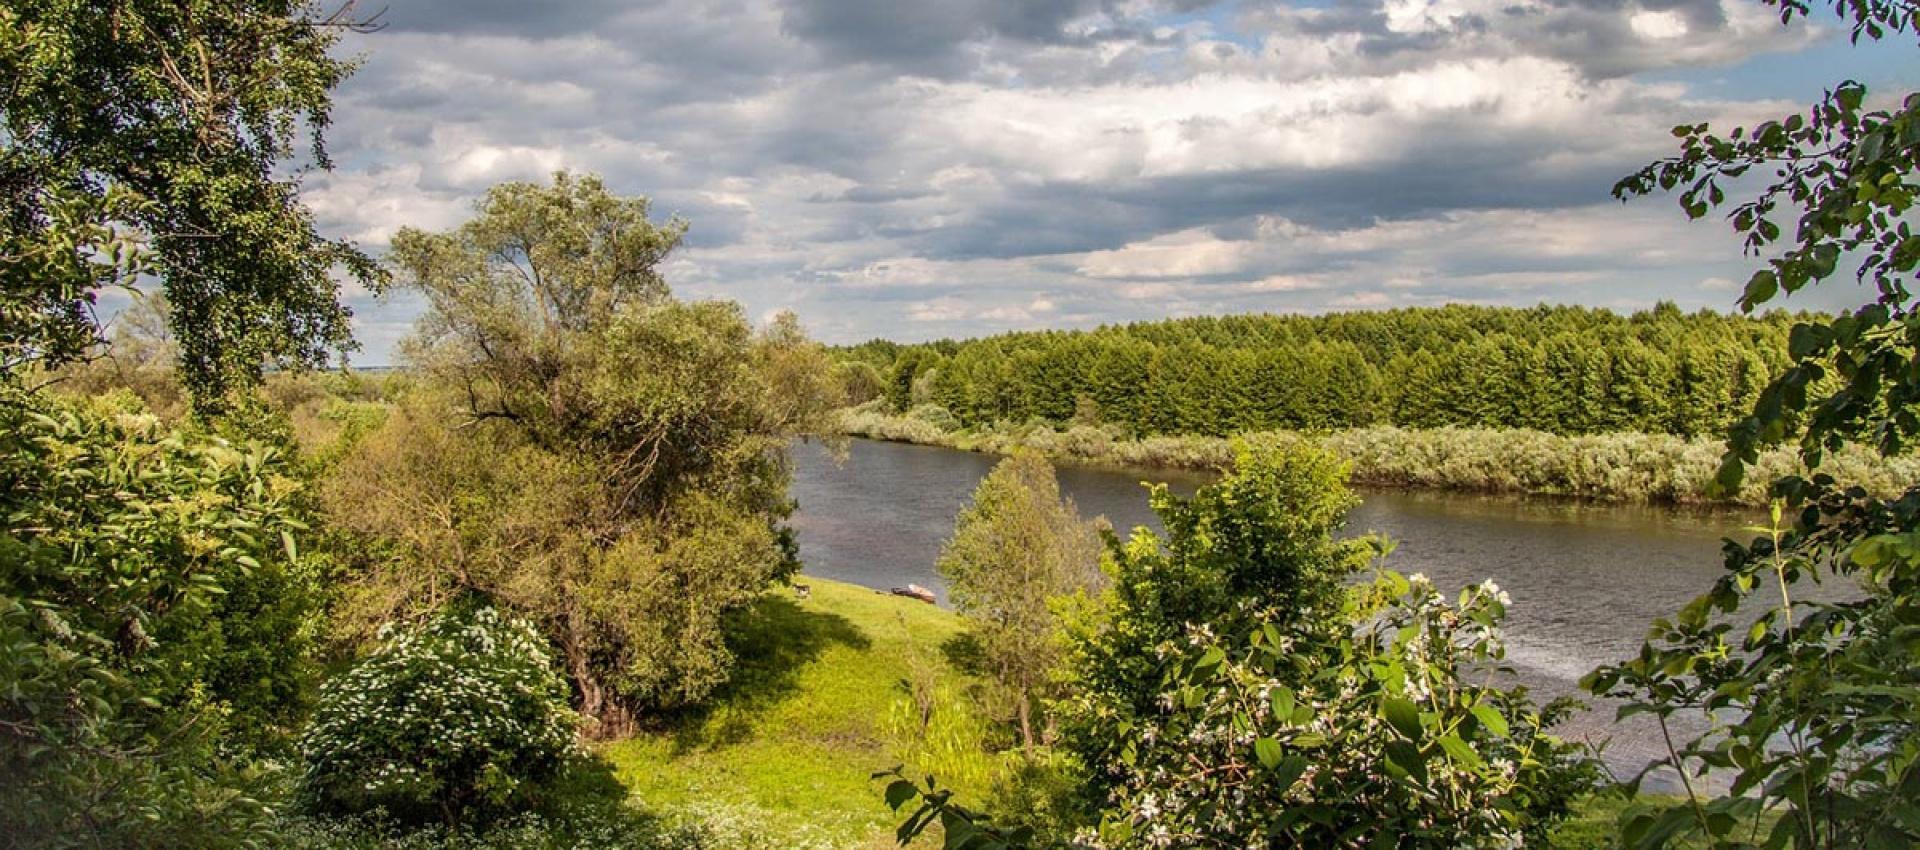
1658	468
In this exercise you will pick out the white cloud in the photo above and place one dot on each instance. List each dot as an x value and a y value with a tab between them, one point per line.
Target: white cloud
1105	163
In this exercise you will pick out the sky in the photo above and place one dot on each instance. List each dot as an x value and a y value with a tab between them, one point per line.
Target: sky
916	170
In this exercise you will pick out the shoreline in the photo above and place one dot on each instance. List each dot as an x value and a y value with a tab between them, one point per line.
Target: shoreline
1618	468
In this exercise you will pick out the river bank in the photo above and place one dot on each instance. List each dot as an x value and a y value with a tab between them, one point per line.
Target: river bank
1625	467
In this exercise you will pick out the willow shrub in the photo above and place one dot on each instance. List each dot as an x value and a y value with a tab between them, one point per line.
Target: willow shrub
460	719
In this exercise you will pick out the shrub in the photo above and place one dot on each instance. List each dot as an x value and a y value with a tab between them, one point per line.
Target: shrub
153	619
1659	468
460	719
1234	691
1322	735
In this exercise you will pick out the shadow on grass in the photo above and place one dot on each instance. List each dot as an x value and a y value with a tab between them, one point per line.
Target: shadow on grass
964	654
770	640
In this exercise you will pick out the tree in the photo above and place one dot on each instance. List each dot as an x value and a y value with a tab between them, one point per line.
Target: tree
1017	548
163	130
1826	695
1235	691
587	451
153	603
860	381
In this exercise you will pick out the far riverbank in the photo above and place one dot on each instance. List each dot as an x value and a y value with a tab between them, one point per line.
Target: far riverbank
1624	467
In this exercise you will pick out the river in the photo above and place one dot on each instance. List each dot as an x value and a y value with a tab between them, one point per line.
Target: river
1586	580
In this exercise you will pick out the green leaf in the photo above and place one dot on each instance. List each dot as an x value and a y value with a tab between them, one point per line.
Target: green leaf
1461	751
1267	750
1403	716
1282	698
1208	664
1762	286
1490	718
899	793
1289	772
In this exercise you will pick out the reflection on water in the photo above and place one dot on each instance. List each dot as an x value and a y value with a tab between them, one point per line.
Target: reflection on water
1586	580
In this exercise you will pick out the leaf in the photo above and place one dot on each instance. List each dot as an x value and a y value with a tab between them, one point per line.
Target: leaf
1282	698
899	793
1491	719
1406	758
1403	716
1267	750
1208	664
1289	772
1461	751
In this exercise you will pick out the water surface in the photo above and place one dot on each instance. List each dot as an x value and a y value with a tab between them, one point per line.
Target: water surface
1586	580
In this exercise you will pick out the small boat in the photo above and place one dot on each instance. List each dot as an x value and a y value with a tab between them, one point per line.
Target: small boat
915	591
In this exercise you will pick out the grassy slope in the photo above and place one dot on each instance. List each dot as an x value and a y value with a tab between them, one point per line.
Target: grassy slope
792	741
797	733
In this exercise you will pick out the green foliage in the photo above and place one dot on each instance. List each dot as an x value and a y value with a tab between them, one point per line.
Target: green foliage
1827	692
459	720
1560	370
860	381
149	137
1018	547
1372	728
1256	544
583	449
1658	468
906	374
1233	691
155	615
1825	696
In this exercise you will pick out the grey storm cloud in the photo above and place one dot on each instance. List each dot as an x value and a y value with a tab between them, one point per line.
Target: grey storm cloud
499	17
930	37
865	162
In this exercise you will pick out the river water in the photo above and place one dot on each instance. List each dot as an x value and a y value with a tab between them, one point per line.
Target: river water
1586	580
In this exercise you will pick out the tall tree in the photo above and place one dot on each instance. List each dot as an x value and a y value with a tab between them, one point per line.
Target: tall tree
169	129
1017	548
613	466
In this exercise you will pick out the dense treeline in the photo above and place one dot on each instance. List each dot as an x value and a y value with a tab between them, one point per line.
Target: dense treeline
1558	369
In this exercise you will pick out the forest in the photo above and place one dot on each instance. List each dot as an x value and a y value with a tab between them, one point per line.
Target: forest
1548	401
1555	369
541	587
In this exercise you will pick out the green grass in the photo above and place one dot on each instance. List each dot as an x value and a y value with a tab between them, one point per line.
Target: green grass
792	740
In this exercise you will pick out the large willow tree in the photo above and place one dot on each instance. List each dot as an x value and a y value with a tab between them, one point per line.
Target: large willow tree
587	450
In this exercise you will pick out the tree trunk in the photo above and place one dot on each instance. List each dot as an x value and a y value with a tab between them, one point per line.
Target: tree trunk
1026	722
610	718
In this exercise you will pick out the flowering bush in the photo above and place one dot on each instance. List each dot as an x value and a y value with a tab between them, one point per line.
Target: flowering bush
1295	735
1233	690
461	718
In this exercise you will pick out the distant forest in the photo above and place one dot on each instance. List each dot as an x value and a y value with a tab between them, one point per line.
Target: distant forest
1564	370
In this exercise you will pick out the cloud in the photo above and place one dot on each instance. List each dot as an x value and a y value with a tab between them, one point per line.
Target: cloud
916	170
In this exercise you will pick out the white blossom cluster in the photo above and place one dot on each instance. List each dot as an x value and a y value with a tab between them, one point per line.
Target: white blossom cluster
468	702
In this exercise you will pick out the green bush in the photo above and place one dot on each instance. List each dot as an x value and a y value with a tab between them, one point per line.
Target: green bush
154	623
1364	730
1233	690
461	719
